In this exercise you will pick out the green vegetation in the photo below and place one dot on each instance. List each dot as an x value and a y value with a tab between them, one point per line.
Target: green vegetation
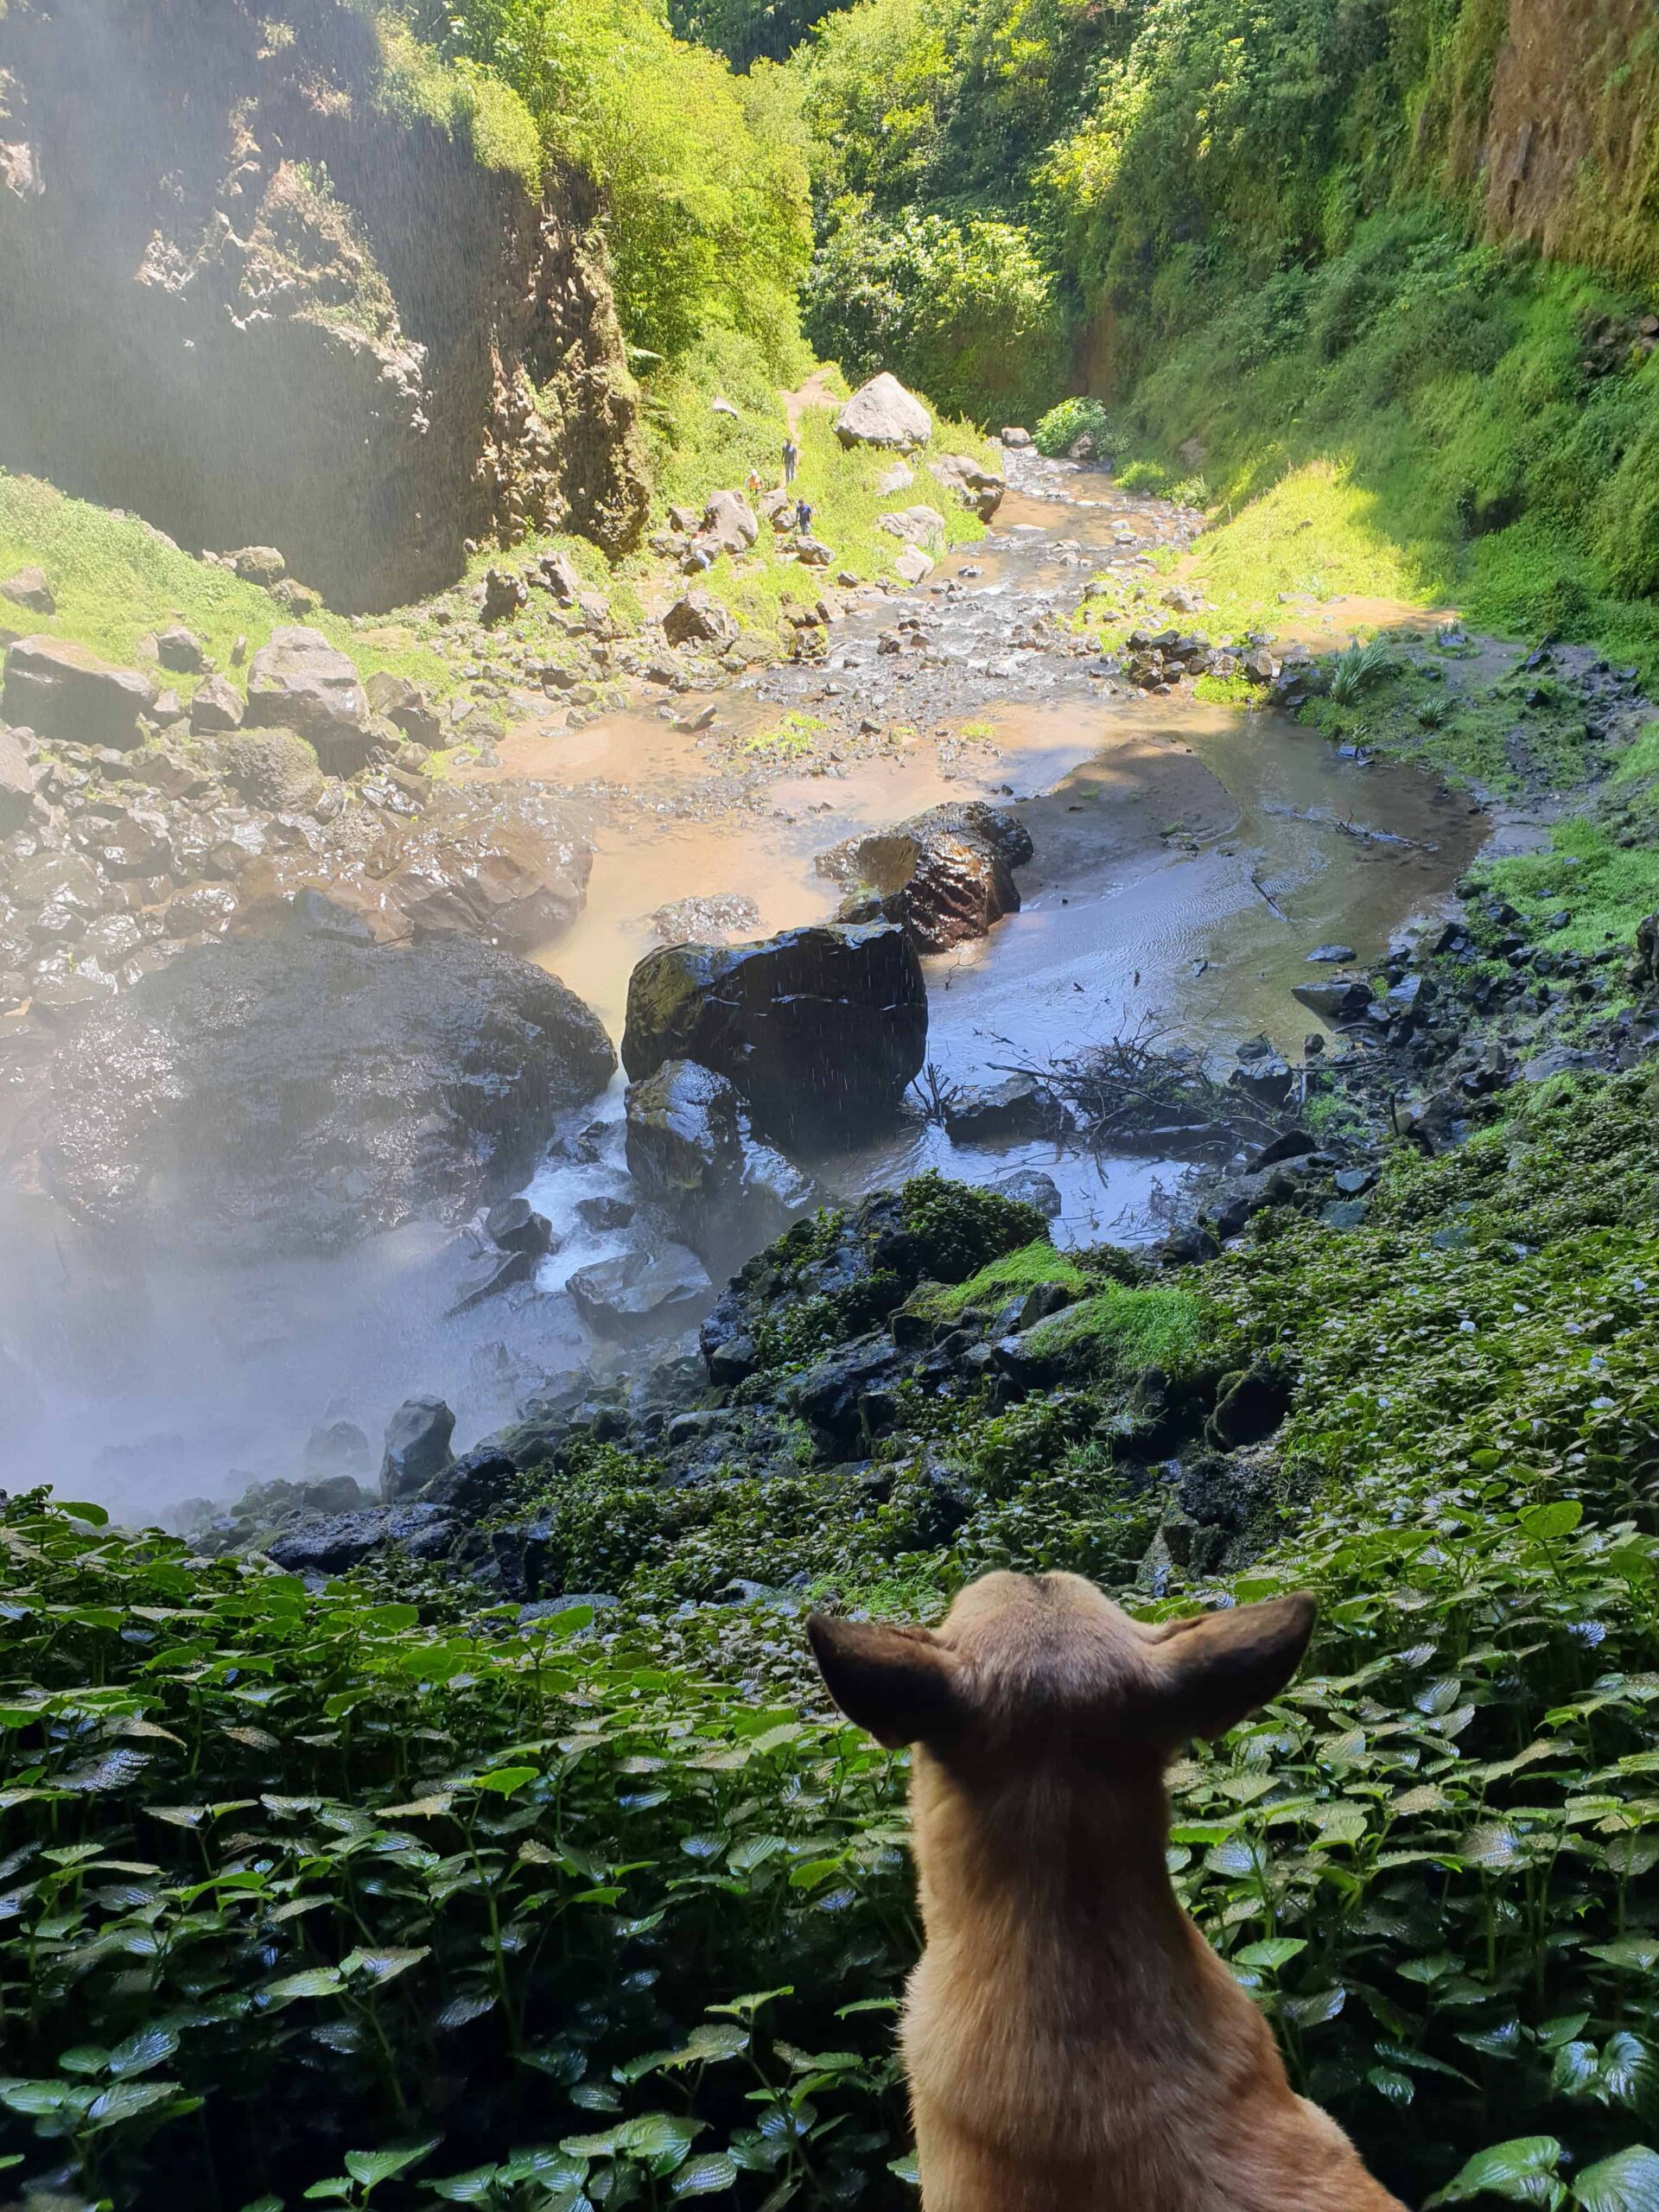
116	582
357	1884
1122	1331
1003	1278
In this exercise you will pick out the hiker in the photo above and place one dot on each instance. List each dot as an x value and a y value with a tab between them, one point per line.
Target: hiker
792	461
804	518
757	483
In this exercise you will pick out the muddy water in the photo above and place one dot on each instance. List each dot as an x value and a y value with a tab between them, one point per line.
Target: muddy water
1187	858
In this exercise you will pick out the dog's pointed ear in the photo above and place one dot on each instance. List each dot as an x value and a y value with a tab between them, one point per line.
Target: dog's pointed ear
898	1683
1214	1667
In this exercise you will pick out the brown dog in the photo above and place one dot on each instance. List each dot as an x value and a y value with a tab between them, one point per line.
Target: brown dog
1073	2045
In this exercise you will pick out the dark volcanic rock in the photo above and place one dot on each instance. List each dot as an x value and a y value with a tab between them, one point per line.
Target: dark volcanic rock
331	1543
1344	998
643	1294
1031	1187
1018	1106
699	618
1250	1406
300	682
272	768
946	875
690	1150
502	862
59	689
307	1090
516	1226
816	1026
418	1446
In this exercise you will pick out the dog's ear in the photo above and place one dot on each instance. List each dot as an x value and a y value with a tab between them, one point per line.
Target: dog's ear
1214	1667
898	1683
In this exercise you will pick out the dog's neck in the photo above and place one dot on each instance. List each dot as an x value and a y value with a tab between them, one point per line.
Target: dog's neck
1057	1879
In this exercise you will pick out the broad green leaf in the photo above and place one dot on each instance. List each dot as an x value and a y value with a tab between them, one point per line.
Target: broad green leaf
505	1780
1544	1524
383	1965
315	1981
148	2048
1514	2170
126	2099
1628	2182
1271	1954
705	2176
370	2168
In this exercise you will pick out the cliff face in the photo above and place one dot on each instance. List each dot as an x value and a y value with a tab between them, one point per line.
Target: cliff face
1570	158
242	295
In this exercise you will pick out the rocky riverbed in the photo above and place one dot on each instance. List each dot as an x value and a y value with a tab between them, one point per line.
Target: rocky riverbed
279	1037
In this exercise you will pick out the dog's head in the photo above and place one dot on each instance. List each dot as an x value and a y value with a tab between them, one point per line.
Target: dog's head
1030	1667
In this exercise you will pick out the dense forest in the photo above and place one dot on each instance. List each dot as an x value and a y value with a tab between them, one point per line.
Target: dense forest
541	1875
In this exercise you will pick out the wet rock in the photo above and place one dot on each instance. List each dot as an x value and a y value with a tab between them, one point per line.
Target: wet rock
1558	1059
217	706
1295	1144
945	876
516	1226
17	784
1264	1079
1331	952
1343	1000
406	707
330	1494
691	1151
507	1270
605	1213
334	1543
836	1393
643	1294
699	618
882	413
337	1449
822	1025
500	861
721	914
979	488
61	690
1018	1106
258	564
418	1446
478	1484
272	768
300	682
179	650
1030	1186
29	589
303	1091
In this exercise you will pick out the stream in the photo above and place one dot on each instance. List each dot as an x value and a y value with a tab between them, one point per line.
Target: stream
1187	859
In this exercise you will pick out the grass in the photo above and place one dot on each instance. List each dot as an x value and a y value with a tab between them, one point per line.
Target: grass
117	580
1121	1329
1600	889
1034	1263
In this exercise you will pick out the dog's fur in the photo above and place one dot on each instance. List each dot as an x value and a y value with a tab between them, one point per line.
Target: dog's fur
1073	2045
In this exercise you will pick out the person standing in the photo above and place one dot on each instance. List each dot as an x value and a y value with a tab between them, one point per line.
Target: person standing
792	459
804	518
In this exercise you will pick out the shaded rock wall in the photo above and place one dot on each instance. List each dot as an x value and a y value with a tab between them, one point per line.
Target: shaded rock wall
246	300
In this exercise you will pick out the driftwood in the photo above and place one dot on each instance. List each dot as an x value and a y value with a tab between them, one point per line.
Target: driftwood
1137	1092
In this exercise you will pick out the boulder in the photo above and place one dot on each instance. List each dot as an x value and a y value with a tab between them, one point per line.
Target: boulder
506	594
813	553
979	488
1015	439
882	413
501	862
1332	955
300	682
516	1226
337	1449
1250	1406
29	589
406	707
217	706
643	1294
1343	999
945	876
1264	1079
923	526
817	1027
605	1212
332	1543
698	619
61	690
836	1393
691	1151
300	1092
179	650
17	784
728	524
1018	1106
899	478
275	769
912	565
258	564
556	572
418	1446
1030	1186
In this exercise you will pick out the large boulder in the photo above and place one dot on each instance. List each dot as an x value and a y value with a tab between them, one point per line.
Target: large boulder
643	1294
17	784
979	489
406	707
945	876
275	769
303	1092
817	1027
59	689
502	862
728	524
331	1543
882	413
300	682
418	1446
919	526
690	1150
698	619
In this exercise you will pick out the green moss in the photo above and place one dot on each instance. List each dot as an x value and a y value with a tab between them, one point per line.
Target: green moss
117	580
1022	1269
1122	1331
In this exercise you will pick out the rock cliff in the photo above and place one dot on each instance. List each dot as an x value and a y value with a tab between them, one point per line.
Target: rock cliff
254	294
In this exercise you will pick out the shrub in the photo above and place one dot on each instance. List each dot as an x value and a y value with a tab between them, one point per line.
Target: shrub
959	1228
1061	427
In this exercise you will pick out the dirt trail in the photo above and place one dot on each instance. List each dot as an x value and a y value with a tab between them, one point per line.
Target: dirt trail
814	392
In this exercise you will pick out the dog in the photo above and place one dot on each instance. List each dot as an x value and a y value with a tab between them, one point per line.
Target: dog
1072	2042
